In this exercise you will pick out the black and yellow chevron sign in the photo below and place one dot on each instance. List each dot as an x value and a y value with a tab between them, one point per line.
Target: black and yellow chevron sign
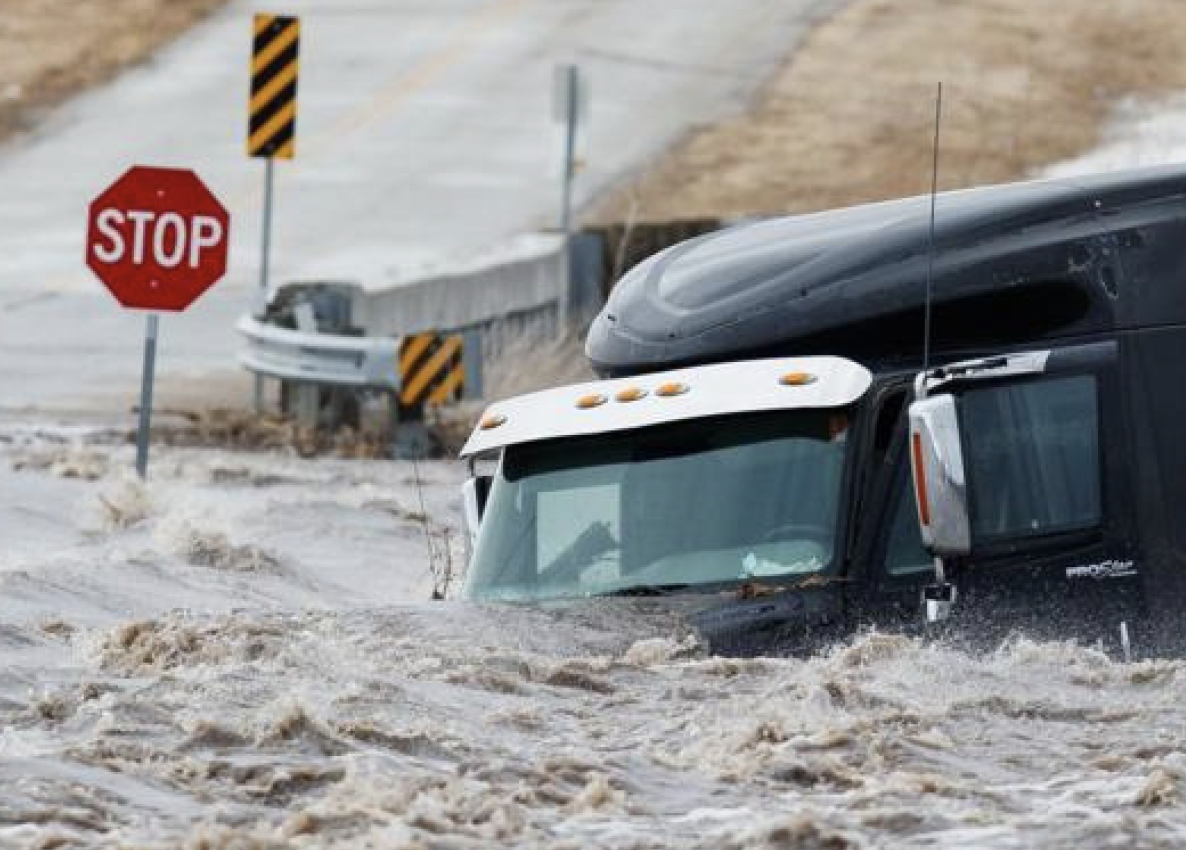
431	369
272	131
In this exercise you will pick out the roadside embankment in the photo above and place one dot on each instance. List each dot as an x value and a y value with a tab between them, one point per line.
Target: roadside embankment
849	119
52	49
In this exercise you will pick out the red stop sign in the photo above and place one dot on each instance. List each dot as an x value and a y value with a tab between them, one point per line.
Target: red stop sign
157	238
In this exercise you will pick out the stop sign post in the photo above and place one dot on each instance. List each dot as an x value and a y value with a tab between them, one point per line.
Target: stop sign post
157	238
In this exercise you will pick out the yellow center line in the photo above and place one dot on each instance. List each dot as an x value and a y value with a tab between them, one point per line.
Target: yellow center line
460	47
248	194
404	86
398	91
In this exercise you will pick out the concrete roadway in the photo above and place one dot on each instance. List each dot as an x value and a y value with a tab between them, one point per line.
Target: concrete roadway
424	136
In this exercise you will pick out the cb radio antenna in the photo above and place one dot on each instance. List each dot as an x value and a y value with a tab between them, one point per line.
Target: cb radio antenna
926	321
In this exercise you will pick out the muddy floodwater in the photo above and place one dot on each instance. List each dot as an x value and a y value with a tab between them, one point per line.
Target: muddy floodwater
242	654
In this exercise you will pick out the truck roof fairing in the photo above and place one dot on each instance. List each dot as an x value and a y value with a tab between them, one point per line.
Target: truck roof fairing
1013	264
680	394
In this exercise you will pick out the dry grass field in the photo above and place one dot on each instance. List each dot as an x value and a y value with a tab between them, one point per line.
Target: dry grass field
1027	82
849	119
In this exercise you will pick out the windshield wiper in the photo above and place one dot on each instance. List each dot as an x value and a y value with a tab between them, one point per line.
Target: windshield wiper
646	590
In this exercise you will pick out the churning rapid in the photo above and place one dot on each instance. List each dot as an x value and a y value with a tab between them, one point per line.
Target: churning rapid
241	654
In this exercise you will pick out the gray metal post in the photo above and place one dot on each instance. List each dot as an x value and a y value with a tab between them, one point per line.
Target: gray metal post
472	357
264	260
146	381
570	142
571	95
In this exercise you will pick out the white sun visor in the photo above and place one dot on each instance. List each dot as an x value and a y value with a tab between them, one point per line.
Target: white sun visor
750	386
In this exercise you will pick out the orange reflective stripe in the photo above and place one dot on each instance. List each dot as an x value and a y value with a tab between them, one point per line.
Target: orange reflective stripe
920	480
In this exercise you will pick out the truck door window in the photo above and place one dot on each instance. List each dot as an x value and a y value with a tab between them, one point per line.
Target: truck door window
904	552
1032	456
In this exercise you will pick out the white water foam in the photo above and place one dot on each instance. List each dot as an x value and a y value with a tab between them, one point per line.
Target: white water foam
240	653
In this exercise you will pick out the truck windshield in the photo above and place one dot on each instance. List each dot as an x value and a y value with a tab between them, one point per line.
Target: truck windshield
751	497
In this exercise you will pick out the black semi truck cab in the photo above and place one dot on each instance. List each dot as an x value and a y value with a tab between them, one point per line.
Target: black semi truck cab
767	449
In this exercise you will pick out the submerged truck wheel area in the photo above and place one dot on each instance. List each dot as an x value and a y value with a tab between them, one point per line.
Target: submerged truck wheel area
768	452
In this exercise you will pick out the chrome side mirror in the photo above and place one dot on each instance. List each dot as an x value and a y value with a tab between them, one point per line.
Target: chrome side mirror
937	463
474	493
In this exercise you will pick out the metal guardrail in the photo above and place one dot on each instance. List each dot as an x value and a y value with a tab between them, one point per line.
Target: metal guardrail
349	361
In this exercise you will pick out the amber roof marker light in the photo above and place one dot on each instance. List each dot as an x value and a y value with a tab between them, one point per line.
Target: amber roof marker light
671	390
797	379
630	394
492	421
588	402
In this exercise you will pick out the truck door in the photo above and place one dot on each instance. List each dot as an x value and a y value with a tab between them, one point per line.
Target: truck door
891	566
1048	495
